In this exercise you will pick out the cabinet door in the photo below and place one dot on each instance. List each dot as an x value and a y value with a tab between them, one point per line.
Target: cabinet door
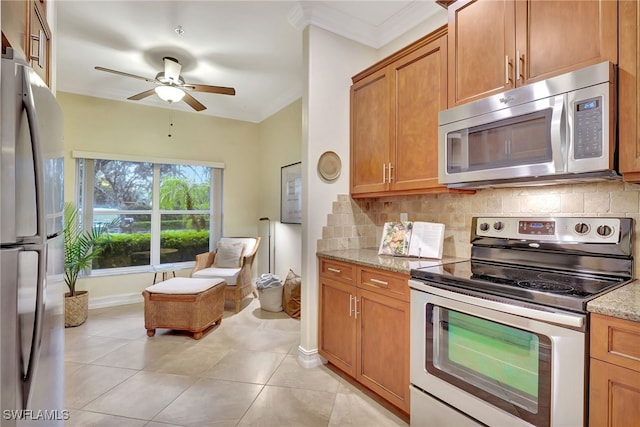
39	41
421	92
555	37
481	49
337	327
370	133
614	398
14	25
628	84
383	346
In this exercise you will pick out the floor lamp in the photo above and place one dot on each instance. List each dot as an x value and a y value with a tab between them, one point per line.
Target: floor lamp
265	218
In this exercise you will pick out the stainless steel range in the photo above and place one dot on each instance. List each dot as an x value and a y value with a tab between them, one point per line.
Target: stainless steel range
501	338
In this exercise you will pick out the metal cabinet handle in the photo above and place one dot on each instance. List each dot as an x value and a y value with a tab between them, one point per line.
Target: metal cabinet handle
379	282
384	173
506	69
390	178
355	307
334	270
40	38
352	299
518	72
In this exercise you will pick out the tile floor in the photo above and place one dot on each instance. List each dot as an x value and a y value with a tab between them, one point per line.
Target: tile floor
242	373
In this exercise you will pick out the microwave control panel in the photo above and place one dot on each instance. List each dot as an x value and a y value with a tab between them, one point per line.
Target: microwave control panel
588	128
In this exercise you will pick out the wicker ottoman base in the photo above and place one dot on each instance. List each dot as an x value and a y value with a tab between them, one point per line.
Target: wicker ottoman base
194	312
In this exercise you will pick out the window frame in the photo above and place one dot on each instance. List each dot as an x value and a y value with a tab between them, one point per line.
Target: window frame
215	211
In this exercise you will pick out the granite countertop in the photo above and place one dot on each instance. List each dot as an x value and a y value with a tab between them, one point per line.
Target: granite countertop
369	258
623	303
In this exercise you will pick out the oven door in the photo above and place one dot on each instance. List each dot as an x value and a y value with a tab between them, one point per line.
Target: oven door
497	367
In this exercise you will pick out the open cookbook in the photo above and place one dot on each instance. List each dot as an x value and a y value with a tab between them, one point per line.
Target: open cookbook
412	238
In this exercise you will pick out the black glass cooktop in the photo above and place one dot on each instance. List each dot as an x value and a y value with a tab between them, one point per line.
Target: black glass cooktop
558	289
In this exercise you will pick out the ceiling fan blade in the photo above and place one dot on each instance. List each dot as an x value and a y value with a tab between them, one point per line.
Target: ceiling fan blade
193	103
210	89
142	95
121	73
172	69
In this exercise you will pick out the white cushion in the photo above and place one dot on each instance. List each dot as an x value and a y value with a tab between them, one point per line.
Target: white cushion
230	275
183	285
249	242
228	255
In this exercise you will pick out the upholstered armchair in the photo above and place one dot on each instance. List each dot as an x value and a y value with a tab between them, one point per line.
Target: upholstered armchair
232	260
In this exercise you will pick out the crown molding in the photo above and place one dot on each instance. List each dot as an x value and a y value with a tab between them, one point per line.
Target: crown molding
375	36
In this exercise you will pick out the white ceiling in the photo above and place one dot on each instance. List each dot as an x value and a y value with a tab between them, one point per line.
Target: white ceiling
253	46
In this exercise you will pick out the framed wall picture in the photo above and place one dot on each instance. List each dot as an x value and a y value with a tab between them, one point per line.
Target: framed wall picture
291	193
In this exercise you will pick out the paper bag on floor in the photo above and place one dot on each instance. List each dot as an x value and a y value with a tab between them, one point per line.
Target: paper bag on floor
291	300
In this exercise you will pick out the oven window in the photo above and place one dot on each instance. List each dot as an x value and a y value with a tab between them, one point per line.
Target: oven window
505	366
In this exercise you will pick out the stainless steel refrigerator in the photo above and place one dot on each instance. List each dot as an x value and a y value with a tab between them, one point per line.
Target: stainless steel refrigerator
31	249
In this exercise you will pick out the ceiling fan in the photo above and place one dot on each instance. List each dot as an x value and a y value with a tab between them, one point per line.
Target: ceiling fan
171	87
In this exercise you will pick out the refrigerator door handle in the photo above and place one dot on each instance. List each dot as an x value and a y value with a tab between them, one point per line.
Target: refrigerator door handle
36	339
38	157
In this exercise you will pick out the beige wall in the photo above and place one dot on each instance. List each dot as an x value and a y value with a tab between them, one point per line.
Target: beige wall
280	144
249	151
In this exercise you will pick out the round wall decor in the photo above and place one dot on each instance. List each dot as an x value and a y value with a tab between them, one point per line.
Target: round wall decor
329	165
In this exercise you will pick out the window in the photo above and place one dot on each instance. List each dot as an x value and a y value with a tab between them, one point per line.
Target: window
164	212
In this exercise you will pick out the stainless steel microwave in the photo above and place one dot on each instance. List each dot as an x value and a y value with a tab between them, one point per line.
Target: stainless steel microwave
560	129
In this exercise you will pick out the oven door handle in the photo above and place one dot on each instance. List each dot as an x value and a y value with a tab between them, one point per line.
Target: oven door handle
562	318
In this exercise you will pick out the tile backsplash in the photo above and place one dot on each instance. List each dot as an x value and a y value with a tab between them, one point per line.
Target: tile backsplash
355	224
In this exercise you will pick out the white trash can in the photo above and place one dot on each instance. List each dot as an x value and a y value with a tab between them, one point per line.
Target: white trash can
271	298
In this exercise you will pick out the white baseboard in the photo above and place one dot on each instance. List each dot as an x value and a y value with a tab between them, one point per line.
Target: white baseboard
115	300
310	358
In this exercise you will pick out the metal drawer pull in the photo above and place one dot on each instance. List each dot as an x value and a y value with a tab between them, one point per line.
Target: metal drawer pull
334	270
379	282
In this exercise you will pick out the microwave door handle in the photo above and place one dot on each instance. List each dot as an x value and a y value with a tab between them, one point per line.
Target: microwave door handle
559	134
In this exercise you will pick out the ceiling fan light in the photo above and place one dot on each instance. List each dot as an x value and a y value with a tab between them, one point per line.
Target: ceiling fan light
169	93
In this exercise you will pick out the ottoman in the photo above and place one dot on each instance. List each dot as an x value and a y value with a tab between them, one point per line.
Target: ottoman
185	304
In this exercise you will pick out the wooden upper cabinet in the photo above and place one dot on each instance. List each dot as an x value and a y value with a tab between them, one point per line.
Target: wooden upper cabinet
421	92
481	49
628	84
394	120
39	46
25	29
14	25
370	132
498	45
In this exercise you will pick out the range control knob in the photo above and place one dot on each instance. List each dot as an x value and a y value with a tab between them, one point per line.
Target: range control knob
484	226
582	228
604	231
498	225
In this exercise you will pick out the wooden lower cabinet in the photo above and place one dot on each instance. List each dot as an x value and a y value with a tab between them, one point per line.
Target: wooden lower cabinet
614	390
364	328
383	346
337	326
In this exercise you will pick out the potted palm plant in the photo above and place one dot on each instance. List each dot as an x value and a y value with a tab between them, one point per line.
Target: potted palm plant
79	250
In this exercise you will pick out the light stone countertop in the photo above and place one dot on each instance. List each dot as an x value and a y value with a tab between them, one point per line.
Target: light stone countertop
369	258
623	303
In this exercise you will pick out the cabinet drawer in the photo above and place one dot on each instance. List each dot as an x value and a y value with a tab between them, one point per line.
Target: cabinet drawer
337	270
392	284
615	341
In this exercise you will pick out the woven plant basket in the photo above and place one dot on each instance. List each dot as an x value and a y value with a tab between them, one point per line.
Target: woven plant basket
76	308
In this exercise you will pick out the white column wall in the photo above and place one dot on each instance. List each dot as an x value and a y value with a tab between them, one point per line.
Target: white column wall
329	62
